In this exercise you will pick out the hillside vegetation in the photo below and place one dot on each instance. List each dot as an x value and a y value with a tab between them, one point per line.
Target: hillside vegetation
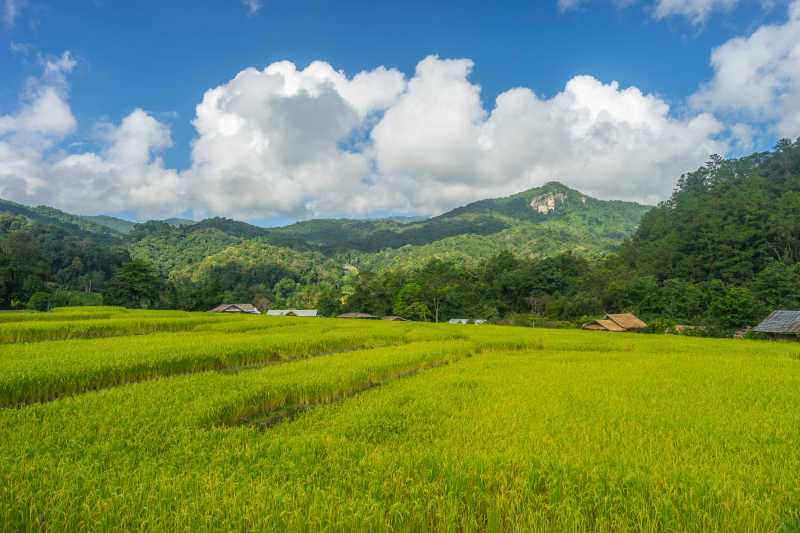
721	252
296	262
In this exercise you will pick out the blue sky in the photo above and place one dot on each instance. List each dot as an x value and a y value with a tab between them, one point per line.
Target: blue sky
131	75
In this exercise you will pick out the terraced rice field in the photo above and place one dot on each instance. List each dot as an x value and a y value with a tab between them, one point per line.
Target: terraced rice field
129	420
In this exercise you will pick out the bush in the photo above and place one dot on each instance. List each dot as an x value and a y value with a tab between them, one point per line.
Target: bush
40	301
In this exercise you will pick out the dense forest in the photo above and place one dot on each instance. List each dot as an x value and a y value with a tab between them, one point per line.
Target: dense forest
721	252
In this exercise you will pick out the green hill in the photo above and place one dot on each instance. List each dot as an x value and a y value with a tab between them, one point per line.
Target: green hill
77	225
540	222
121	225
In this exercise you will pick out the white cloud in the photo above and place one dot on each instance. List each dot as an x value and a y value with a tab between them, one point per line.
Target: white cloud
697	11
298	143
124	175
439	147
566	5
269	141
758	77
58	67
12	10
252	6
44	109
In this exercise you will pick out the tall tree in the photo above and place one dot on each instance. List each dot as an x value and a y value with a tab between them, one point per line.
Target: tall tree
134	284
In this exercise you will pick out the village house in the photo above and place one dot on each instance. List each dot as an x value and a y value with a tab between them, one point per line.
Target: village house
393	318
358	315
616	322
781	324
249	309
292	312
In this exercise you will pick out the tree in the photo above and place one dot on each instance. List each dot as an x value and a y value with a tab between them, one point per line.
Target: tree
734	307
329	301
39	301
261	303
439	281
24	268
134	284
778	285
408	302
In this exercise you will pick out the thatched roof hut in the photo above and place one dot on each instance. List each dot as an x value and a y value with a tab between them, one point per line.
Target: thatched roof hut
249	309
616	322
392	318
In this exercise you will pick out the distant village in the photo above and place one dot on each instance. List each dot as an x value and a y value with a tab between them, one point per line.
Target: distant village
781	324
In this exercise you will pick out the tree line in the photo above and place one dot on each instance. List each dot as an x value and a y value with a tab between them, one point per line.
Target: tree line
721	252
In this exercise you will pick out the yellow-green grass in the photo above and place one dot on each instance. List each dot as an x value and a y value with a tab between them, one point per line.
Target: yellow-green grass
28	331
540	430
34	372
52	317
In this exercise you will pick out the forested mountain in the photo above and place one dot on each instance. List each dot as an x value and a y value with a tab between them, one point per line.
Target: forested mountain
293	261
121	225
721	252
77	225
729	220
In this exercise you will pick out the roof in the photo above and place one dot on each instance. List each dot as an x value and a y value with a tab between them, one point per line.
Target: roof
608	325
292	312
236	308
356	315
458	321
393	318
626	321
593	326
780	321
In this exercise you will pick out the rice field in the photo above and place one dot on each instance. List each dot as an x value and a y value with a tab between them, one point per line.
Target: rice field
277	423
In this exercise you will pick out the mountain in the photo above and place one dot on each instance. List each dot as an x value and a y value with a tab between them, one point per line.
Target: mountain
77	225
551	207
730	220
539	222
118	225
123	226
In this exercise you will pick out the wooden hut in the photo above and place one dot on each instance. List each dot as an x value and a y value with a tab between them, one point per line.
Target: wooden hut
249	309
616	322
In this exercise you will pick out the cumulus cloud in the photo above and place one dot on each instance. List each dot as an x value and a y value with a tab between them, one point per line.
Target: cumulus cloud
440	147
270	142
758	77
124	175
43	107
292	142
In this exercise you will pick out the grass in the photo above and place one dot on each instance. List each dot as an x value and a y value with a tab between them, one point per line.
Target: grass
506	429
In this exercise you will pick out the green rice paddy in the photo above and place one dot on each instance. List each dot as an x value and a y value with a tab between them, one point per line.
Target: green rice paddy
129	420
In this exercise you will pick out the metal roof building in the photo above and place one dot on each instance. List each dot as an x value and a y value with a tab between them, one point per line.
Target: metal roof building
780	322
292	312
